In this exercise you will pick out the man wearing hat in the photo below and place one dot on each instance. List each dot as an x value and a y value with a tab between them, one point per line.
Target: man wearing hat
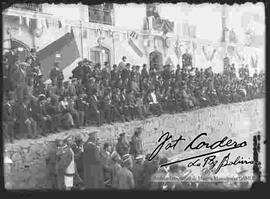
44	120
122	146
126	179
114	75
137	170
56	74
115	168
94	107
92	164
19	78
26	126
136	147
144	72
78	71
125	75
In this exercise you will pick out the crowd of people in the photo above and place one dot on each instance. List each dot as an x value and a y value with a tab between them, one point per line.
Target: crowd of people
95	95
78	165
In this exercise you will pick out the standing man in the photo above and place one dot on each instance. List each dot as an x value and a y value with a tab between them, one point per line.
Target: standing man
122	146
19	78
126	179
56	74
122	64
92	164
137	171
136	143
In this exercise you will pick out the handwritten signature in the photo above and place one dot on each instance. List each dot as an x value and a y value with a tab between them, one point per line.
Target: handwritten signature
166	142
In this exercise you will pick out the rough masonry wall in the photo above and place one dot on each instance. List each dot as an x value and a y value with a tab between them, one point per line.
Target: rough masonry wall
29	170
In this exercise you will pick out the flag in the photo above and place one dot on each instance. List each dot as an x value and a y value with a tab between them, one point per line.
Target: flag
135	48
66	46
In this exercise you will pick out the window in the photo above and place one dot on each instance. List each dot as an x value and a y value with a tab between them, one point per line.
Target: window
27	6
101	13
22	49
100	55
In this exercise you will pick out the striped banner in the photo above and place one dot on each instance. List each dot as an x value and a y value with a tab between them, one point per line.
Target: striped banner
135	48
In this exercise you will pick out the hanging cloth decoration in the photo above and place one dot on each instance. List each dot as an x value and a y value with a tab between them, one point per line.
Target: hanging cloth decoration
254	61
27	20
177	48
47	23
208	57
59	24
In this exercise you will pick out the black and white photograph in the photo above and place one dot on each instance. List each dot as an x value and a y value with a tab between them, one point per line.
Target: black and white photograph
133	96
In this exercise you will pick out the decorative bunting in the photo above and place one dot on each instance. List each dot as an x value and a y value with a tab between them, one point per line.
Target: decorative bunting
27	21
134	35
254	61
20	19
207	56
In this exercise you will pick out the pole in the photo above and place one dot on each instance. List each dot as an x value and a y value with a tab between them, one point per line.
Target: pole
81	38
113	49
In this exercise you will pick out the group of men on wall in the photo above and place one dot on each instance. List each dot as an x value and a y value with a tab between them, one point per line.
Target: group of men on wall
124	93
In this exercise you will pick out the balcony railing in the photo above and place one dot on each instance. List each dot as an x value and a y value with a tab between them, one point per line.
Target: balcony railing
28	6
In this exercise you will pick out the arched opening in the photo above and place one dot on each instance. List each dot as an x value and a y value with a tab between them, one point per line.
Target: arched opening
100	54
23	50
156	60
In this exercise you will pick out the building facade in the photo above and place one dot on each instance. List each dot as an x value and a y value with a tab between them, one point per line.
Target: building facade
107	32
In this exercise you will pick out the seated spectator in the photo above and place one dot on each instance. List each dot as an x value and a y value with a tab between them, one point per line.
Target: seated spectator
72	110
81	106
94	107
53	110
40	115
66	117
155	106
25	124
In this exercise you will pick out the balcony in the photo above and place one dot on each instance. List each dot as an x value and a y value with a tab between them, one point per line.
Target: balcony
27	6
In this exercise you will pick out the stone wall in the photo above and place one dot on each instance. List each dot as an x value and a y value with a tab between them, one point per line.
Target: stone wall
239	120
